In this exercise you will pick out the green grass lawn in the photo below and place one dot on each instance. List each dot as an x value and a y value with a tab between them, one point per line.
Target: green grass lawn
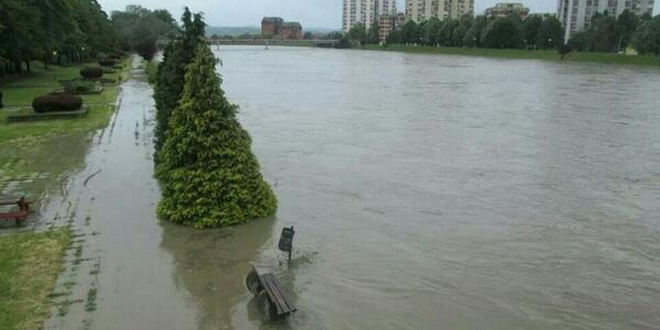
29	266
546	55
19	92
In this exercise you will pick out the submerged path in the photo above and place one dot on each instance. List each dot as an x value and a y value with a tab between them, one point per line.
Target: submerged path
127	270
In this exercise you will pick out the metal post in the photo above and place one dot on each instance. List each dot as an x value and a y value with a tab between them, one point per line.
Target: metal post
286	241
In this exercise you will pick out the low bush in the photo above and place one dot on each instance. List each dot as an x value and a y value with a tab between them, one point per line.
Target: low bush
79	86
107	62
92	72
57	102
108	81
107	70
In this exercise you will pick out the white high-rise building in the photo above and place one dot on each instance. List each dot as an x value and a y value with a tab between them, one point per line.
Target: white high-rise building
365	12
576	15
421	10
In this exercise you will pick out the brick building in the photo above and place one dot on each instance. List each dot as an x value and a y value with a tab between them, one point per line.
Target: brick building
389	23
276	27
270	26
291	30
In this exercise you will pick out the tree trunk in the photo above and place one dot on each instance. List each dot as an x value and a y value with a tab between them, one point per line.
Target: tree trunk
27	65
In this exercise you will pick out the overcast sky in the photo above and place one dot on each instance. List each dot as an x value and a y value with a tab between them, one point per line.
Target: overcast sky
310	13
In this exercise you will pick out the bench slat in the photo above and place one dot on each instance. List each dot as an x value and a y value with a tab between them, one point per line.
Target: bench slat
286	302
277	294
274	293
14	215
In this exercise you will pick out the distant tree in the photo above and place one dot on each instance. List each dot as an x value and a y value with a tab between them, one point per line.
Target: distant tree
473	35
531	28
446	36
372	34
602	36
502	33
461	31
431	31
140	29
626	24
358	33
578	41
410	32
550	33
208	173
394	37
308	36
646	39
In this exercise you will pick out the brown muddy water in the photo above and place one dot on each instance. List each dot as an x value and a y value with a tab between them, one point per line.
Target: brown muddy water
428	192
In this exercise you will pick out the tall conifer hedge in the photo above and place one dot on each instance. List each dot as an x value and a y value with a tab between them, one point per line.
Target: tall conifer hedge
208	173
171	73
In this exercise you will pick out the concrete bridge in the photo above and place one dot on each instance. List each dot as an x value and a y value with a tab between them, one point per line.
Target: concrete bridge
331	43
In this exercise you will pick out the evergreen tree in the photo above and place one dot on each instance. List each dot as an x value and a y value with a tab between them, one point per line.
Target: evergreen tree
171	73
208	173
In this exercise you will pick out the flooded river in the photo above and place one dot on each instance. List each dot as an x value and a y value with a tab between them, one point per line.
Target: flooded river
427	192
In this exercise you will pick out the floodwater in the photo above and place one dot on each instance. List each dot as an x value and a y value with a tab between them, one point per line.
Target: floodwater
427	192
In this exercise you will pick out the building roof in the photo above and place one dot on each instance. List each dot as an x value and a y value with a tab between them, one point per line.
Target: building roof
291	25
272	20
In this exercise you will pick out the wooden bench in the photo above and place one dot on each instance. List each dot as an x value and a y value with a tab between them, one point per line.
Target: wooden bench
17	216
23	208
259	281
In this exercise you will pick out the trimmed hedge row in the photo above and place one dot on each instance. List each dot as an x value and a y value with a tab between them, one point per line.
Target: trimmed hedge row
54	102
92	72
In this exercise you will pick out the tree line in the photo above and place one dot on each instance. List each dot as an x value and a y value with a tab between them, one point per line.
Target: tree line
67	31
208	174
605	33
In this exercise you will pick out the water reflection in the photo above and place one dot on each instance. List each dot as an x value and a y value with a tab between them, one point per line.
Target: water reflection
211	265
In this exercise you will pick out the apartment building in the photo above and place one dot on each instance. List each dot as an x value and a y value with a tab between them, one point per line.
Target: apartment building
576	15
366	12
421	10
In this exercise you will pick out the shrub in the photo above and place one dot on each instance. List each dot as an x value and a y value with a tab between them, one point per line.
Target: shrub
1	105
209	175
107	62
92	72
57	102
108	81
79	86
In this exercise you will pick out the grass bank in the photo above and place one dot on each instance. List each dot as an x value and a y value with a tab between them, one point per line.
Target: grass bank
29	266
19	92
545	55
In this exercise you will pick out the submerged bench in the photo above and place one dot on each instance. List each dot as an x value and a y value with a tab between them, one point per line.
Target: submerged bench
260	280
23	208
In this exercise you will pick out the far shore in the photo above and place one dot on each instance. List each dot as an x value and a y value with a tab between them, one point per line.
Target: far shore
545	55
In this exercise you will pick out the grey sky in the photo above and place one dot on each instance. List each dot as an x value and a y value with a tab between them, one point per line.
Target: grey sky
310	13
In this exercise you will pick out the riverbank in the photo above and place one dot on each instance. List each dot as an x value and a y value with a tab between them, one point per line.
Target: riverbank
29	266
545	55
30	262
